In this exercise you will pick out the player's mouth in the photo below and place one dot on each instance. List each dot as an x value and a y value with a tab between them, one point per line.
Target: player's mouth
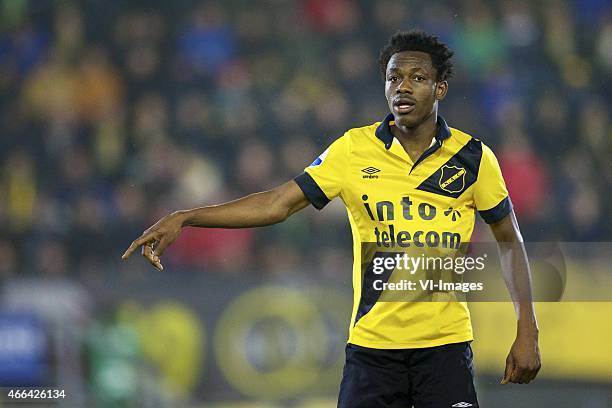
404	106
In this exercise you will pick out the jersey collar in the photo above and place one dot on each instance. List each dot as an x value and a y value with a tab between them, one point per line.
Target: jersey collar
383	131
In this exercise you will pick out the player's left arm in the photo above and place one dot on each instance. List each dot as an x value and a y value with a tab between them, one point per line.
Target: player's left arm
523	361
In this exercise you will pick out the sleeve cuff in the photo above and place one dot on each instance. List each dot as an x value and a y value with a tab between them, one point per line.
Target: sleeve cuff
498	212
311	190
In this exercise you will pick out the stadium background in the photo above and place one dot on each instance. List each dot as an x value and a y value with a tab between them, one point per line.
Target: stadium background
115	113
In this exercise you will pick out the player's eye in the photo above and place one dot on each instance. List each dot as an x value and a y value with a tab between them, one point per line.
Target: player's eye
393	78
419	78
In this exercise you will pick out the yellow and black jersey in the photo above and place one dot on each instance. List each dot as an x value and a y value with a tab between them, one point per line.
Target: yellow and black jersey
392	201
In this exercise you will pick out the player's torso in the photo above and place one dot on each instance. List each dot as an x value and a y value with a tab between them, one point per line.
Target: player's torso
395	205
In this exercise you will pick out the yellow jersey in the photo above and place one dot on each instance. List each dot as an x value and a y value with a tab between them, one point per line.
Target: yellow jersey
393	202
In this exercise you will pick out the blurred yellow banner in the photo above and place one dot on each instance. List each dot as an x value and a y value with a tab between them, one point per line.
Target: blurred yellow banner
575	338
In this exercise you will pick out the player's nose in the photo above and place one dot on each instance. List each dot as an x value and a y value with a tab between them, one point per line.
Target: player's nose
404	87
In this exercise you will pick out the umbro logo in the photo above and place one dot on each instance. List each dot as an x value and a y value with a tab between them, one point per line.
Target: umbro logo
370	172
462	405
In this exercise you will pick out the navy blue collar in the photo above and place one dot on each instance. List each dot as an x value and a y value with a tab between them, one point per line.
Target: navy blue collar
383	132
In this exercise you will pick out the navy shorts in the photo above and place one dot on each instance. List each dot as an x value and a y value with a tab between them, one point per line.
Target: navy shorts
433	377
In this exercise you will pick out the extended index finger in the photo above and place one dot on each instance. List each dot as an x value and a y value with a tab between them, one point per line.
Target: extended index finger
143	239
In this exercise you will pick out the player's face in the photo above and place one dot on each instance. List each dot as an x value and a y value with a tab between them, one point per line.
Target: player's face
411	88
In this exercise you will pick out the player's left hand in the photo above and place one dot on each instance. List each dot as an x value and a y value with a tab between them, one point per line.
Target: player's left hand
523	361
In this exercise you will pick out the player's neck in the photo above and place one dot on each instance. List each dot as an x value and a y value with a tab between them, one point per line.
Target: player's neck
416	140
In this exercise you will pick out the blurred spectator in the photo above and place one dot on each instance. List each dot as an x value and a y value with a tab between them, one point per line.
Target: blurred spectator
138	36
480	44
98	91
208	42
8	260
254	166
113	361
21	51
520	25
51	259
525	175
604	44
50	92
150	119
227	250
21	188
552	129
389	13
331	15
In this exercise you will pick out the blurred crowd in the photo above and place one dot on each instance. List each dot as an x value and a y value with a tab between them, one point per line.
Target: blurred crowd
115	113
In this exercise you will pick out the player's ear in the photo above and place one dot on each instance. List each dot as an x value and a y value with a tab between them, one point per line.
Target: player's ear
441	90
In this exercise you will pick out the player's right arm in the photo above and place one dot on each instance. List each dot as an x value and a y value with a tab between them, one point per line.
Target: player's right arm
255	210
320	183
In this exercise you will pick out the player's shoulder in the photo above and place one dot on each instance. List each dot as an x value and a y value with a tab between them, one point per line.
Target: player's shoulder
465	139
356	136
362	133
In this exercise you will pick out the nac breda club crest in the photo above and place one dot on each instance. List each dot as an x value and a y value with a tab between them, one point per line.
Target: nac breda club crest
452	178
457	174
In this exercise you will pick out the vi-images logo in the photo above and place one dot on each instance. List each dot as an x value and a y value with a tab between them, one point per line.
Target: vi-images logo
370	172
462	405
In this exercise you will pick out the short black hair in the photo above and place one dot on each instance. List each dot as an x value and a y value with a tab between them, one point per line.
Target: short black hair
417	40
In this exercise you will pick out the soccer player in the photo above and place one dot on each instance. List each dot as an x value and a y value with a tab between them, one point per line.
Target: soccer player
407	181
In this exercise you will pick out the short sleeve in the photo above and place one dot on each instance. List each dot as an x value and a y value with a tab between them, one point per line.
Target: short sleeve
322	181
490	193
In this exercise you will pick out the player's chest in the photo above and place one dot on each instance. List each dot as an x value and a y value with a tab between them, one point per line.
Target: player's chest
397	189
